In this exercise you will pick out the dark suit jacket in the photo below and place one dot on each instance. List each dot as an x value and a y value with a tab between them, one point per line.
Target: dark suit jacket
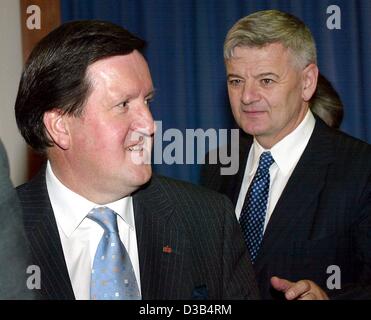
322	218
14	252
208	259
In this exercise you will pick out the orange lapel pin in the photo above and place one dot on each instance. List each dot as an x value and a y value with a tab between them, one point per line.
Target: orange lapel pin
167	249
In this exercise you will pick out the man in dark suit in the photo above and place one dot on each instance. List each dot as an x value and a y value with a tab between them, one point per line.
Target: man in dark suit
14	254
302	193
84	99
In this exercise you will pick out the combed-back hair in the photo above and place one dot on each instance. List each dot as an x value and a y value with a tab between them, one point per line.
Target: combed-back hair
272	26
55	75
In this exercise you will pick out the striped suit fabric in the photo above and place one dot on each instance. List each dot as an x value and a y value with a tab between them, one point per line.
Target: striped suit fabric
189	243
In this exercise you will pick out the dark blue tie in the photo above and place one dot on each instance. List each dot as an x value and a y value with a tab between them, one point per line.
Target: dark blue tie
112	277
255	206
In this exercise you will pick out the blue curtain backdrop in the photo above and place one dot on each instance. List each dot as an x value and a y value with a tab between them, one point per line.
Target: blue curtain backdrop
185	54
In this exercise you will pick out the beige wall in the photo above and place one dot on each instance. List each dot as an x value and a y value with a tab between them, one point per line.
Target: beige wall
10	71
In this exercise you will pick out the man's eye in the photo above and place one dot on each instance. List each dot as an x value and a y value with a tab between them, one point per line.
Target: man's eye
148	101
266	81
123	104
234	82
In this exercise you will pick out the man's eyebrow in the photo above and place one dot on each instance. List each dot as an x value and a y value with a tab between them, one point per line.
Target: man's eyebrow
151	93
260	75
267	74
232	75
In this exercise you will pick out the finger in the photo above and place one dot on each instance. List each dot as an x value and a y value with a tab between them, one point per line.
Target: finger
281	284
299	288
308	296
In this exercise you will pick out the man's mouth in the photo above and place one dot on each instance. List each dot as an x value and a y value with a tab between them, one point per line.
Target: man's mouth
138	147
246	110
254	112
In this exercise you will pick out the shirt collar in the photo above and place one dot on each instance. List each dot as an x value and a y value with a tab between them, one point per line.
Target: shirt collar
124	208
70	209
287	152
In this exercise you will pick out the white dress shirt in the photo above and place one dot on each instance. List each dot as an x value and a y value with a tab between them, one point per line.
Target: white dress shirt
80	235
286	154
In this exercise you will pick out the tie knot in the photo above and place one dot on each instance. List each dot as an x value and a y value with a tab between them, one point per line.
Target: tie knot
105	217
265	161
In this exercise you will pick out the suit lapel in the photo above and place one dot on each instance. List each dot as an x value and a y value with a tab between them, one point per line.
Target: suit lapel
302	189
160	247
46	247
232	184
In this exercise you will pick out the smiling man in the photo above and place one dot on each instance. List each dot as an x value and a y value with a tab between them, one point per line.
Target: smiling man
302	194
100	226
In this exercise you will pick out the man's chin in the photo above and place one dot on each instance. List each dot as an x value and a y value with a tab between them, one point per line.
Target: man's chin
253	130
143	176
137	181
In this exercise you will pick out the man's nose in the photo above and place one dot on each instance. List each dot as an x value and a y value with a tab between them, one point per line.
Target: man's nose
143	122
250	93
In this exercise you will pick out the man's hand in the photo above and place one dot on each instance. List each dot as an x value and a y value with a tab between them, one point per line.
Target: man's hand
301	290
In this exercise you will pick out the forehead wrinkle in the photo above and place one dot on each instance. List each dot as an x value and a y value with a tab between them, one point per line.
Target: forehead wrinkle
260	61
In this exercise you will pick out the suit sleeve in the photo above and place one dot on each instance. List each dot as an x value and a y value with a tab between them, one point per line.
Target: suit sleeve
239	279
13	247
361	236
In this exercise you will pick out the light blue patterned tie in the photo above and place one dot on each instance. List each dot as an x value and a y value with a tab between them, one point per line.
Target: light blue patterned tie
255	206
112	276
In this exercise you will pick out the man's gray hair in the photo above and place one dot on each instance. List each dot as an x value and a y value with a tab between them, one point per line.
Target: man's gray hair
272	26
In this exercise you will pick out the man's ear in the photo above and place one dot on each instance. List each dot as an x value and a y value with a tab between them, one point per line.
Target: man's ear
310	76
57	128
